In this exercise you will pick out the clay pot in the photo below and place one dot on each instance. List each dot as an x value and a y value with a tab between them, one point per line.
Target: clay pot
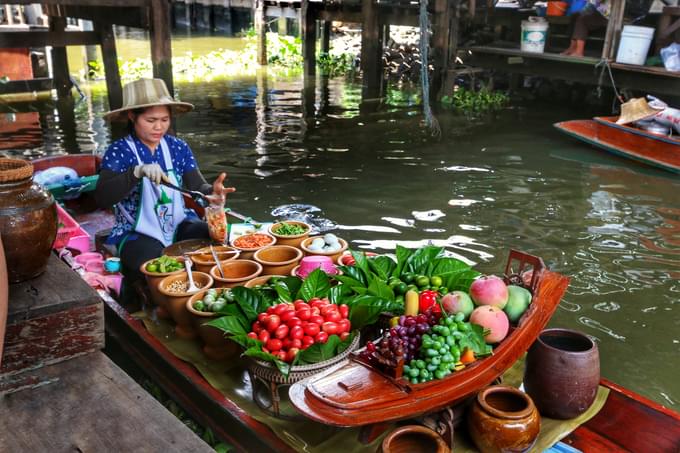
152	281
236	272
4	297
216	345
562	373
28	220
204	261
176	302
188	245
292	240
503	419
304	245
247	253
414	439
278	259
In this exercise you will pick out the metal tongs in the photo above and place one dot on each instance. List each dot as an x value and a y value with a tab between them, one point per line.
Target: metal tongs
195	195
217	261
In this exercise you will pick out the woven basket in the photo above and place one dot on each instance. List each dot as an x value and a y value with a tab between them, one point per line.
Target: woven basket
12	170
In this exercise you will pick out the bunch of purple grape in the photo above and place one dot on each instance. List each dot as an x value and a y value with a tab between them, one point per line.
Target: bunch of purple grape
410	331
387	352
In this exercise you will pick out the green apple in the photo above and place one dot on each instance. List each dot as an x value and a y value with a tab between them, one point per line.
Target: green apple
518	301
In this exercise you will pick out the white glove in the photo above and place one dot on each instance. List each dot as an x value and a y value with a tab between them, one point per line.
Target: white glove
152	171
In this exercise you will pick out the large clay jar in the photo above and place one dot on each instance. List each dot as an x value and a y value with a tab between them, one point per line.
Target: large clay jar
28	220
4	297
562	373
503	419
216	345
176	301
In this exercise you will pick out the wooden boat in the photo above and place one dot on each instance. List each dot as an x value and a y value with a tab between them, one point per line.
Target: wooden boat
627	422
354	394
652	149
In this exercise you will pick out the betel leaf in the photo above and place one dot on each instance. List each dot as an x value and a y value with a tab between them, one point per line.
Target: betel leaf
403	255
462	280
455	274
246	342
474	339
232	310
362	264
419	261
338	292
317	284
292	284
365	310
233	325
249	301
318	352
382	266
355	273
380	289
345	280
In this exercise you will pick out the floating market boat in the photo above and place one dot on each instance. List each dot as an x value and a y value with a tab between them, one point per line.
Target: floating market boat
658	150
627	422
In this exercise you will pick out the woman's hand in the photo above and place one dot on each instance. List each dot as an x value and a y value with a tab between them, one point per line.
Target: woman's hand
219	194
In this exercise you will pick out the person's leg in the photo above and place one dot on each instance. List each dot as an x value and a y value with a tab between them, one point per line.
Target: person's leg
584	25
570	49
136	250
192	228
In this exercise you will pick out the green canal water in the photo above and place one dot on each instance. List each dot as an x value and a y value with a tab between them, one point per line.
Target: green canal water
492	183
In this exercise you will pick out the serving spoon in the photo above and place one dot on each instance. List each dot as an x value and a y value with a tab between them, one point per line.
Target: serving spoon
192	286
219	265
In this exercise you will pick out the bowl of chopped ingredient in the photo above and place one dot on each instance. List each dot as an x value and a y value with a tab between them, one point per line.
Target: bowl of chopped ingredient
278	259
205	306
326	245
156	270
248	244
290	232
203	258
175	290
235	272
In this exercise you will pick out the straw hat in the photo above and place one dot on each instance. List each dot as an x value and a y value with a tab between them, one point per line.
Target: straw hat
636	109
146	93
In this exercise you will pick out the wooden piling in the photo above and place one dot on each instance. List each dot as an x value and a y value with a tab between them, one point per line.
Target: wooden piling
110	57
325	28
260	31
62	79
440	45
371	51
161	50
308	32
613	28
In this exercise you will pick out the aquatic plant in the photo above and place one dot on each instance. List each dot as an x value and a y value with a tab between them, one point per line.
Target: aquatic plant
468	101
333	65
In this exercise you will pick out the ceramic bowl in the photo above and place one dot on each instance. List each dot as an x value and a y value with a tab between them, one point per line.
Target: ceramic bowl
292	240
236	272
83	258
188	245
278	259
152	281
304	245
203	259
175	301
248	252
216	345
414	439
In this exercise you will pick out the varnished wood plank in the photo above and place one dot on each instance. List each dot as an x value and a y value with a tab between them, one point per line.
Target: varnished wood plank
62	79
110	57
23	86
88	404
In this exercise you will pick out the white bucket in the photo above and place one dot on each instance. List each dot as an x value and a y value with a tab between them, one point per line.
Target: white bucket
534	33
634	44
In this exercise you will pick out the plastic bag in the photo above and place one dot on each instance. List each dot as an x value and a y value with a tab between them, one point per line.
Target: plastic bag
217	223
55	175
671	57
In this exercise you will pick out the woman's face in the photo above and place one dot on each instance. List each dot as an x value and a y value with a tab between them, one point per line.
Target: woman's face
152	124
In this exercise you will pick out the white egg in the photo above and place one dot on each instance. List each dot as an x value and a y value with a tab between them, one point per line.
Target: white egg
330	238
315	247
333	247
319	242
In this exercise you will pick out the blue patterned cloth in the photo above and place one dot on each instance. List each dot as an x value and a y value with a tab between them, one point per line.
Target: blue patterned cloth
119	158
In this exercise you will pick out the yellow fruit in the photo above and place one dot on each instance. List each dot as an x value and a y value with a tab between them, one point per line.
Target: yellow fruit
411	303
394	321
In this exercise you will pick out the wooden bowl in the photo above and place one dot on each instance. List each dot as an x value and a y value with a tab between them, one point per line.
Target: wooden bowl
176	301
292	240
216	345
304	245
152	281
278	259
204	261
247	253
414	439
261	280
236	272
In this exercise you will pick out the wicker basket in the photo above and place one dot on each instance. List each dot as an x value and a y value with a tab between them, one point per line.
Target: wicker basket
12	170
268	384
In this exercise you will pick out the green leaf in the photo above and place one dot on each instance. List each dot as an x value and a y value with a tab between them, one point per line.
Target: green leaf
475	341
403	254
292	287
360	290
380	289
317	284
456	274
382	266
258	353
318	352
362	264
345	280
338	293
233	325
246	342
420	260
365	310
355	273
249	301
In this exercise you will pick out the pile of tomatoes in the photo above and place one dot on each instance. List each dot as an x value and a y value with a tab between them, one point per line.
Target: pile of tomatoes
286	329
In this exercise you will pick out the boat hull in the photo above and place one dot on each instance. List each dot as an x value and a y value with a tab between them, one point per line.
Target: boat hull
603	132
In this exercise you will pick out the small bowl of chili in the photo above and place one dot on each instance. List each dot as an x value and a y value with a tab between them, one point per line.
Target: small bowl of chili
250	243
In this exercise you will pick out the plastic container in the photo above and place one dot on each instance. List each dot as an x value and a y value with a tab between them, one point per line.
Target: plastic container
634	44
557	8
534	33
70	234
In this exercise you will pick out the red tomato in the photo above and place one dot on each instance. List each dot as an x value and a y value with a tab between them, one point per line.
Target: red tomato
321	337
286	315
331	328
261	316
274	344
319	303
303	313
344	325
333	316
265	349
281	331
427	299
299	303
307	341
280	308
294	321
272	322
344	336
344	310
312	329
316	319
281	355
253	335
314	300
263	336
257	327
290	355
297	332
327	309
296	343
348	260
285	343
270	310
315	311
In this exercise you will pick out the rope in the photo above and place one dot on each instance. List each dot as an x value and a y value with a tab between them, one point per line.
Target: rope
430	119
604	64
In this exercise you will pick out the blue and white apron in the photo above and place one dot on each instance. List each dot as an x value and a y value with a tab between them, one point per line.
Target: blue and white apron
161	209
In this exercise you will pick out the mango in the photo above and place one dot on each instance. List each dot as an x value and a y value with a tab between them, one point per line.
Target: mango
458	302
492	318
518	301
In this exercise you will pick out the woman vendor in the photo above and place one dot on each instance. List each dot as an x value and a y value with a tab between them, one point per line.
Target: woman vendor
150	216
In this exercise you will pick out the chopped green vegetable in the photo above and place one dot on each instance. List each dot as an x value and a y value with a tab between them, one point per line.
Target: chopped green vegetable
289	229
